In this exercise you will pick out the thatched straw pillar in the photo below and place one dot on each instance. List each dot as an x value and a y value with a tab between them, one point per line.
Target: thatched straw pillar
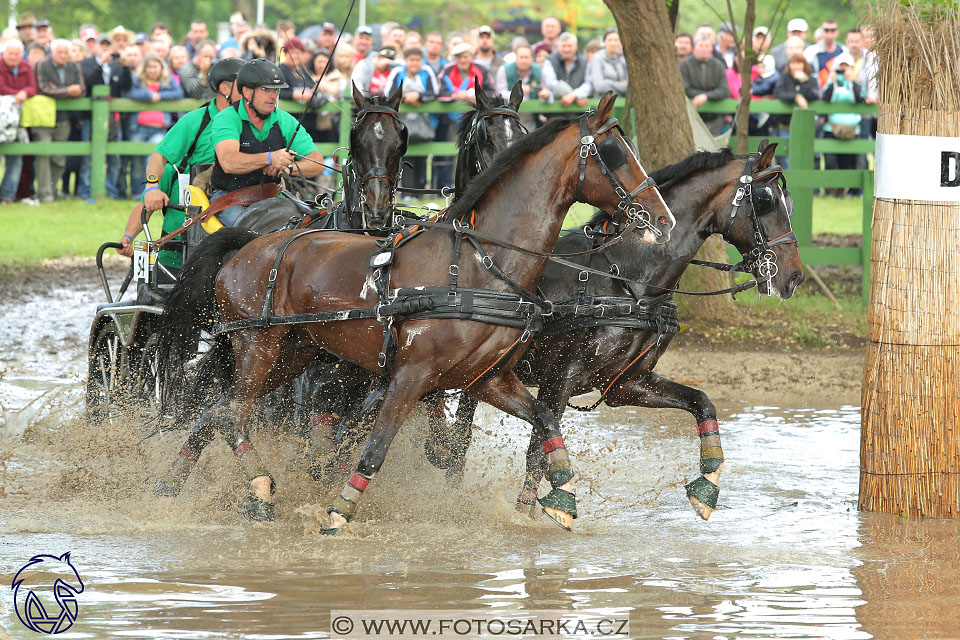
910	441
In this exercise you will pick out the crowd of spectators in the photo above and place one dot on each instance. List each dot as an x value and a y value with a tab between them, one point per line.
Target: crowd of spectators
795	71
152	66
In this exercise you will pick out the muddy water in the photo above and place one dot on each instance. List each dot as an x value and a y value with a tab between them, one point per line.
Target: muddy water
786	556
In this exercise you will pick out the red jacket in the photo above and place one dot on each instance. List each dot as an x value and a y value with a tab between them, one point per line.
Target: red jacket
11	84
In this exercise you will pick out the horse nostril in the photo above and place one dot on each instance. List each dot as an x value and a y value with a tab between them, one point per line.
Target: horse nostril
663	220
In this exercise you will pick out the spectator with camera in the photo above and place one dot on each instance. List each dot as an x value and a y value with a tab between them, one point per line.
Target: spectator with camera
841	87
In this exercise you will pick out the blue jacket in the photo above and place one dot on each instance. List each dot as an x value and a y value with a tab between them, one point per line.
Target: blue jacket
170	91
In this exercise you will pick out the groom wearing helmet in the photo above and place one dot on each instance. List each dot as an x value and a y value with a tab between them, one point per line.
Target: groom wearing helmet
188	143
252	137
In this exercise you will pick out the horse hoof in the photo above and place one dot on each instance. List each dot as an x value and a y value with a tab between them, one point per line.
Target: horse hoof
259	510
703	496
166	488
560	506
561	518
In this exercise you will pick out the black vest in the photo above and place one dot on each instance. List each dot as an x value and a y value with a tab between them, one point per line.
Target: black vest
223	181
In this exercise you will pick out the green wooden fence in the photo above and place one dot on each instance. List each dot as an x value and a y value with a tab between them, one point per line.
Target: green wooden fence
800	147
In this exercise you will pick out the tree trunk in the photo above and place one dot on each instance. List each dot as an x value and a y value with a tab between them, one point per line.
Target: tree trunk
748	58
663	132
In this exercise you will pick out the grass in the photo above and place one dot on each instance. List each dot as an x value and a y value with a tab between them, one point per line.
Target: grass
31	234
838	215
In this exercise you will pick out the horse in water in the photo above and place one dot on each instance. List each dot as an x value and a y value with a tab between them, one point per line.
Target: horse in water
326	390
608	334
334	395
427	321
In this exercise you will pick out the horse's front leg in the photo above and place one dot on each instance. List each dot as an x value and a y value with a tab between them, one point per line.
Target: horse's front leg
446	445
401	396
507	393
648	389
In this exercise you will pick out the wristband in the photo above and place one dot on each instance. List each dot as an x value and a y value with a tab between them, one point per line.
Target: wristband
127	235
149	189
269	161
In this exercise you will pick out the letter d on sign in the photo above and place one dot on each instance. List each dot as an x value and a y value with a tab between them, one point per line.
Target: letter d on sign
945	169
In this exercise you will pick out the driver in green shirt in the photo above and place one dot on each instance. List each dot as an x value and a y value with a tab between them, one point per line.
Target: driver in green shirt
251	139
188	143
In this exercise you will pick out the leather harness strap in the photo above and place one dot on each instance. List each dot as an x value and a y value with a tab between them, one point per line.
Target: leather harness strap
245	196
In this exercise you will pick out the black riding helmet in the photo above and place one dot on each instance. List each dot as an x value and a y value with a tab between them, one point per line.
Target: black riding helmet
261	73
224	71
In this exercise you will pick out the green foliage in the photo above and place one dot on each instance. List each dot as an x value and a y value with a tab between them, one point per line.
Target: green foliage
696	12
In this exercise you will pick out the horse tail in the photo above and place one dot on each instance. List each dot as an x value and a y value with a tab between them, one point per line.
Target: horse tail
192	308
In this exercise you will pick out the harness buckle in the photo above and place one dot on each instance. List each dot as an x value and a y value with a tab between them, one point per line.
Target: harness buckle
187	222
746	179
586	140
399	220
273	275
454	270
615	269
584	276
547	314
741	192
382	360
487	262
525	336
599	311
625	309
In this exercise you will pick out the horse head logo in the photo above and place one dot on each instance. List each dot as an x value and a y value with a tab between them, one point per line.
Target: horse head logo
39	577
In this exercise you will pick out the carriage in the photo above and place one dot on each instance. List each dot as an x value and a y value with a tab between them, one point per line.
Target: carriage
125	373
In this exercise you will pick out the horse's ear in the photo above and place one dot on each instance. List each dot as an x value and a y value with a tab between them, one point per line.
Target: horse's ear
393	100
359	98
483	103
605	108
516	95
65	557
767	151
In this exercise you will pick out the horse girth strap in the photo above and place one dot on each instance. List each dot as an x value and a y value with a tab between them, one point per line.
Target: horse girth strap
243	197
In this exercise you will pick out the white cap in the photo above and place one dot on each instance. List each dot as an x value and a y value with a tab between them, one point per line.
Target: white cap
797	24
760	30
843	58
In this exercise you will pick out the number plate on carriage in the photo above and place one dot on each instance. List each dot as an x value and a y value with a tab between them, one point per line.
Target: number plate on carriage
142	260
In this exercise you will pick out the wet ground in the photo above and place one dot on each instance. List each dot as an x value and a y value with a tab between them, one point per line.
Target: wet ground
787	555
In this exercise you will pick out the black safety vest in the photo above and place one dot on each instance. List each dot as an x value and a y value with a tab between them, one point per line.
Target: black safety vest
274	141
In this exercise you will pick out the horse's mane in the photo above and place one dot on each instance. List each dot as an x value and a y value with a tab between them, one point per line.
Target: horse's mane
466	119
691	165
503	162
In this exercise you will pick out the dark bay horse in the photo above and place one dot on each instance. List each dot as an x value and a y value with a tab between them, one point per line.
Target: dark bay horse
580	353
522	200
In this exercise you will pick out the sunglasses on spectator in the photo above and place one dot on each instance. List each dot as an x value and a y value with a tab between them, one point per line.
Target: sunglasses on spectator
829	29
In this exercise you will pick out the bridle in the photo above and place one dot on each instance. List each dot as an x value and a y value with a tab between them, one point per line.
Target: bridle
476	136
628	207
761	256
375	173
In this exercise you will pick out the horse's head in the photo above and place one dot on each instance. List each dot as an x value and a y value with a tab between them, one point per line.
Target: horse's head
488	130
760	226
610	177
378	140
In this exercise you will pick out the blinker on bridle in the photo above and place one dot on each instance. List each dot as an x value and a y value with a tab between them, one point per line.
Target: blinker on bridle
762	255
478	130
628	207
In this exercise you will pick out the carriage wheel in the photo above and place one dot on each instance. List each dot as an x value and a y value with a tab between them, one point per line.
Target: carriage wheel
147	378
108	373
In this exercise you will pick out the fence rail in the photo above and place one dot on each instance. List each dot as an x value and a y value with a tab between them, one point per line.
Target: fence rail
801	147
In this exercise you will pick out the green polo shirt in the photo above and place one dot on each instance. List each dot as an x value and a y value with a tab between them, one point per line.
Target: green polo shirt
229	123
178	140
